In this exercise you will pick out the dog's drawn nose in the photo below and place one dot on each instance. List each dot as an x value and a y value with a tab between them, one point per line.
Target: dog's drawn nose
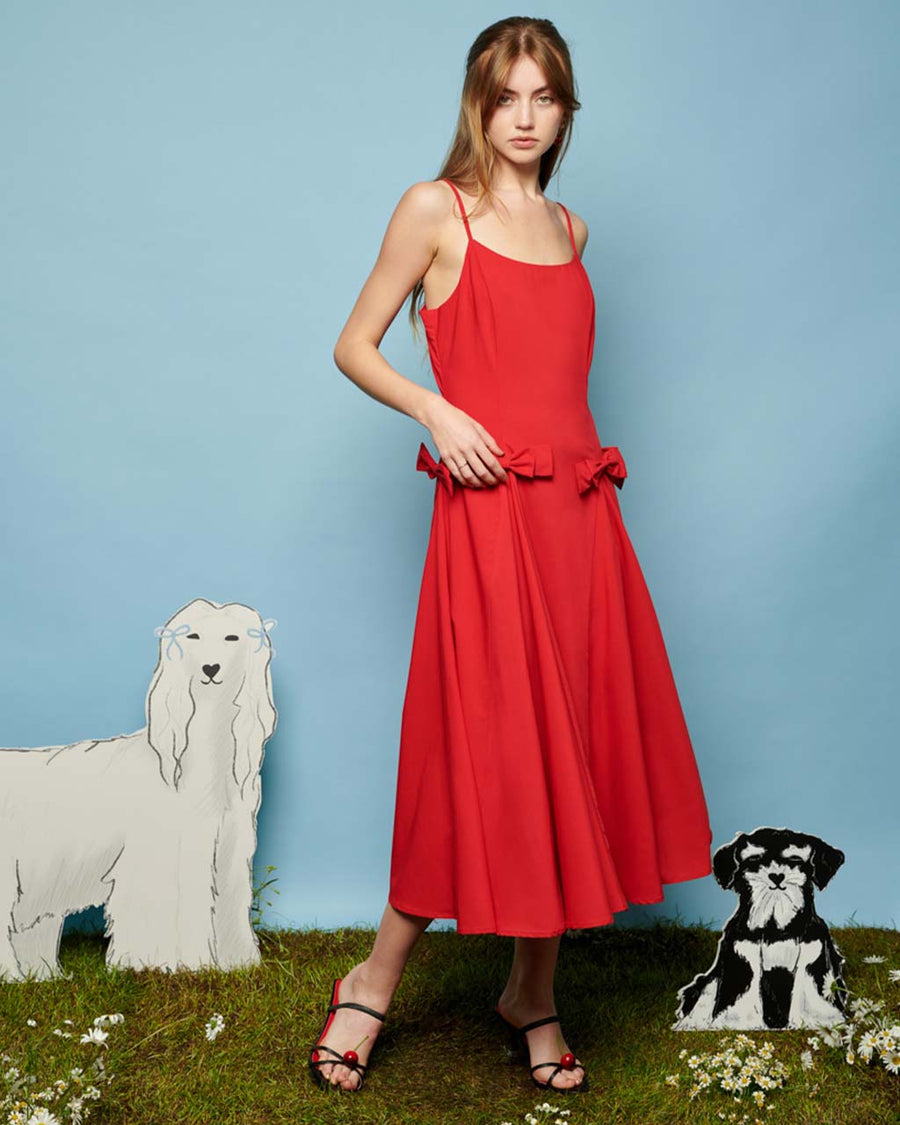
210	670
777	877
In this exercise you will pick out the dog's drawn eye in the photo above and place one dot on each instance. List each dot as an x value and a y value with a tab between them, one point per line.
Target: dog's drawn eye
193	637
232	637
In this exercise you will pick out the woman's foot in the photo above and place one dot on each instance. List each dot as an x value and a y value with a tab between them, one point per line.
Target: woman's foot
543	1042
352	1028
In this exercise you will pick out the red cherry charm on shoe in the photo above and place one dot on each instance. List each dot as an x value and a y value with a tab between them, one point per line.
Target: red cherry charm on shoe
351	1056
568	1061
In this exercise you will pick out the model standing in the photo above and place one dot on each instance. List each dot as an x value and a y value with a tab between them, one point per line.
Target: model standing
546	776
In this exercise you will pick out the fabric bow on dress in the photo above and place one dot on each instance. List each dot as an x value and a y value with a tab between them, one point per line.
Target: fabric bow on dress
590	470
529	461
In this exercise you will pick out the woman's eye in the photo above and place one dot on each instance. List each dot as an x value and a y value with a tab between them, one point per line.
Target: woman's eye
543	97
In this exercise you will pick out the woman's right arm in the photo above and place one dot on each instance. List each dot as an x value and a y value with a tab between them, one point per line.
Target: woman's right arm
409	246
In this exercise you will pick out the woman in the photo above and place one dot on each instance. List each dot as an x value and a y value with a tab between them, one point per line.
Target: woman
546	777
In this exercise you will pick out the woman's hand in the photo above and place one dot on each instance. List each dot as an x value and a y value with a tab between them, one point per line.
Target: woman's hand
464	445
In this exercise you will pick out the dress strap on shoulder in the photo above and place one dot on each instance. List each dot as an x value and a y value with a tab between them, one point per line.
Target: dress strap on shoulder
461	206
571	234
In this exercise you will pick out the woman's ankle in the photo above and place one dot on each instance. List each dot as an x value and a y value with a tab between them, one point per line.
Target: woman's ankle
376	983
519	999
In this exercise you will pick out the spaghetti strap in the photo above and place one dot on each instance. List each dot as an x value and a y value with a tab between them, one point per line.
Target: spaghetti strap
461	207
571	235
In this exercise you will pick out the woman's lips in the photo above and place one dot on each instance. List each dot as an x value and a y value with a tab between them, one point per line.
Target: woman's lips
524	142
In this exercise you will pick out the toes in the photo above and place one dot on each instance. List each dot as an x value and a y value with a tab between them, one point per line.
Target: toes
347	1078
327	1070
339	1074
564	1079
576	1079
343	1076
557	1085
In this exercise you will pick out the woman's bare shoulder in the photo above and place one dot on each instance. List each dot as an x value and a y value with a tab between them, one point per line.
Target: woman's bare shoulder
428	201
416	225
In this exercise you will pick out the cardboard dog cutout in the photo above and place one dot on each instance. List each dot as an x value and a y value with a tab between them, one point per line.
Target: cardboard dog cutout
158	827
776	960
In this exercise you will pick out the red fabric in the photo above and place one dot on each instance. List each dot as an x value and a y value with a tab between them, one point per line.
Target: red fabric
546	776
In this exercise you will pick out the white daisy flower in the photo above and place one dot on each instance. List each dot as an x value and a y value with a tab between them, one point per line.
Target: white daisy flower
868	1044
43	1117
831	1037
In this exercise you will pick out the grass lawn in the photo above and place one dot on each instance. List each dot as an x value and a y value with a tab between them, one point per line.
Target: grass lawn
441	1056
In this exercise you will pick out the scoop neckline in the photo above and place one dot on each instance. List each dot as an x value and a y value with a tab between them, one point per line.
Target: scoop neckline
522	262
423	309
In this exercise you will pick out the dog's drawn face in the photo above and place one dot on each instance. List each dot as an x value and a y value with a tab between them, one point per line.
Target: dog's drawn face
213	646
773	870
213	666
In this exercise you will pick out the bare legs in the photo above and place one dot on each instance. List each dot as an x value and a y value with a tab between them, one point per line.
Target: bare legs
529	996
372	982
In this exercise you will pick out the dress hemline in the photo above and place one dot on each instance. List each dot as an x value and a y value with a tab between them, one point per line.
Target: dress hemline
444	915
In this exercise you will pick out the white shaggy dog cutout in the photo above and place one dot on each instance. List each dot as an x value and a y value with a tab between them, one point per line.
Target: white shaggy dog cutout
158	826
776	963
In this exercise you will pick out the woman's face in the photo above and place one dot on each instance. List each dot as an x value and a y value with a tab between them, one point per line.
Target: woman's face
526	108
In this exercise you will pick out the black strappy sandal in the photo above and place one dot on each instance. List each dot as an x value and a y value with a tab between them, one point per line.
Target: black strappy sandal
519	1048
349	1058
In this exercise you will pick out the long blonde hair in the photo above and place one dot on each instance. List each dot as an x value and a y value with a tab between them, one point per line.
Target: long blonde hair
471	157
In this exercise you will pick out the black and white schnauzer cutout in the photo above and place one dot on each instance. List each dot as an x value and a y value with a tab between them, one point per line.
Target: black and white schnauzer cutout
775	961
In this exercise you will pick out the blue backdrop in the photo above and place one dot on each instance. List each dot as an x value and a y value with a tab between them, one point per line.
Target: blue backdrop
191	197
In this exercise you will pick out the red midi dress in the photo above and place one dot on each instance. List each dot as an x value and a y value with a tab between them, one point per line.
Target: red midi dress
546	777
